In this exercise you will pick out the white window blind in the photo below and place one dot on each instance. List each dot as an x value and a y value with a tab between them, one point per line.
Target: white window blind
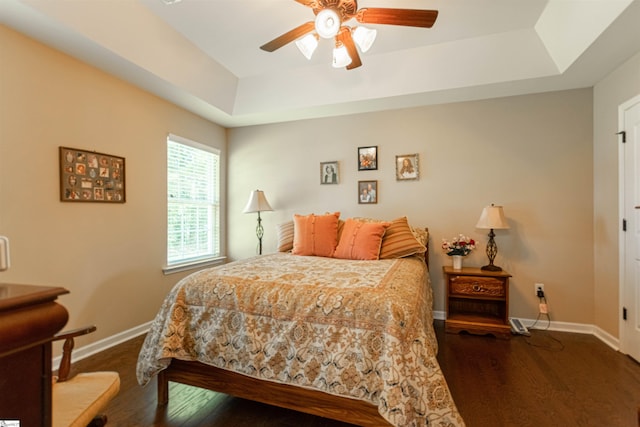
193	208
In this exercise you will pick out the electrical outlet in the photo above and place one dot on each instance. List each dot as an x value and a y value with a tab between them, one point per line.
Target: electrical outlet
539	287
4	253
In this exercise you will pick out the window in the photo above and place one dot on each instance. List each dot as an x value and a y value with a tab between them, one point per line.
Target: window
193	202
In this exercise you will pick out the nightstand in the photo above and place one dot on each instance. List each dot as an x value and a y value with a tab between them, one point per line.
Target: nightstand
477	301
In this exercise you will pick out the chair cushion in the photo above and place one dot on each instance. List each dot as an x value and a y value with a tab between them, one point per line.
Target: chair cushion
77	401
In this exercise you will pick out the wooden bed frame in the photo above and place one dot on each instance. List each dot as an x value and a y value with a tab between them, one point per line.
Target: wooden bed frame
300	399
286	396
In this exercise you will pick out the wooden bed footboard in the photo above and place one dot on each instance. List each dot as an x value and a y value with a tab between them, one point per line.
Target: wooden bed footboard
286	396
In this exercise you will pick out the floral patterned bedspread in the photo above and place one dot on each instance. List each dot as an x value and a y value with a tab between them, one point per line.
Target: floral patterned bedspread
360	329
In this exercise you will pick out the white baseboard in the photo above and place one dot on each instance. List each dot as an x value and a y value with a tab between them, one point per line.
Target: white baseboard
607	338
98	346
579	328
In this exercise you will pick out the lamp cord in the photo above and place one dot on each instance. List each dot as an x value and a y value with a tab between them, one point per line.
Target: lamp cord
559	345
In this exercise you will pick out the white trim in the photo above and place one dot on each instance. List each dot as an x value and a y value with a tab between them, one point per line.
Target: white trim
607	338
193	144
577	328
178	268
98	346
213	203
622	108
621	236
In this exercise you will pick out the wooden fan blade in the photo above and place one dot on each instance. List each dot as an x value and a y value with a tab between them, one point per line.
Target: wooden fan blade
406	17
345	37
288	37
310	3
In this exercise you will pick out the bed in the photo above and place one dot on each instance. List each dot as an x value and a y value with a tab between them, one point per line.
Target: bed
347	339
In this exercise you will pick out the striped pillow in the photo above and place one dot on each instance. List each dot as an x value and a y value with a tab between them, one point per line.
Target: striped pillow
399	241
284	231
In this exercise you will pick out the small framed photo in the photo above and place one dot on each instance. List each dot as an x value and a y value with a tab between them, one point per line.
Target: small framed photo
329	172
367	158
407	167
88	176
367	192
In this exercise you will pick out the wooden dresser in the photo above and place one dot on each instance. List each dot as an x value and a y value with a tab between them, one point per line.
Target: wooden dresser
477	301
29	318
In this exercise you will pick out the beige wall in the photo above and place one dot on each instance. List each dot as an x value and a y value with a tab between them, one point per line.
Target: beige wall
108	255
532	154
620	86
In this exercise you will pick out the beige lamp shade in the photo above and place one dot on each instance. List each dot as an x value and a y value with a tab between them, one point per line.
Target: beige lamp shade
492	217
257	203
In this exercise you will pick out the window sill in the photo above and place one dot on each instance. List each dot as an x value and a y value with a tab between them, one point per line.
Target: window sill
178	268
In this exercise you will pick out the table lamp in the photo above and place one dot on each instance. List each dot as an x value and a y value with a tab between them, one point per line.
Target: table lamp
492	217
258	203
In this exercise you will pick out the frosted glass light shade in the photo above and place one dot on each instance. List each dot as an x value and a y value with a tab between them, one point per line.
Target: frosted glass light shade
307	45
327	23
492	217
364	37
257	203
341	57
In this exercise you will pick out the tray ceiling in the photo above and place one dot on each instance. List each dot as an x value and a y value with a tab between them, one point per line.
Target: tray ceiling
204	54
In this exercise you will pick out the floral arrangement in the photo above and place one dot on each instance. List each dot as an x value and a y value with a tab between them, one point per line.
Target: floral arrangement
460	245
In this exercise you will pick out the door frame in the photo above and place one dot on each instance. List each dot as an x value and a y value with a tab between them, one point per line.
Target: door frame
622	253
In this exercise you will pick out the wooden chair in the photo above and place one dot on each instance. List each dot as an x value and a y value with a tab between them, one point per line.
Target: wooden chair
77	401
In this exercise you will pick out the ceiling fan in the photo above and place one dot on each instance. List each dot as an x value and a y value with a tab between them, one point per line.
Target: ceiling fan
331	15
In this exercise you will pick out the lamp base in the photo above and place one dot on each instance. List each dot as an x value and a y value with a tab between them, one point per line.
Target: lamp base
490	267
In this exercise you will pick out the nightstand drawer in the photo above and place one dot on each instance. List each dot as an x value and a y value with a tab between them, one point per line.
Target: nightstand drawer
477	286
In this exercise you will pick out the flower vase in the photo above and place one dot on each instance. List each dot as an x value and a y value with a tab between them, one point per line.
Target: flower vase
457	262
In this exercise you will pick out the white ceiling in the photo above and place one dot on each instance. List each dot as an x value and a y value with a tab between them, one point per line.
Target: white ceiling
204	54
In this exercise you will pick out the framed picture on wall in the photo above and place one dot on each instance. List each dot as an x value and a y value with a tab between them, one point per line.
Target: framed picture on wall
407	167
367	158
367	192
329	172
88	176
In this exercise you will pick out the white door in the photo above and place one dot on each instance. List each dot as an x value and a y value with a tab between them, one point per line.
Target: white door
630	292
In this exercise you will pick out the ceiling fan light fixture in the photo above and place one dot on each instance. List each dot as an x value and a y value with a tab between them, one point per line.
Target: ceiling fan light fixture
349	40
327	23
341	56
364	37
307	45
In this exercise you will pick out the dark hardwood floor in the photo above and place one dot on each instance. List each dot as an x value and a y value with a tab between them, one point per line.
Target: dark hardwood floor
548	379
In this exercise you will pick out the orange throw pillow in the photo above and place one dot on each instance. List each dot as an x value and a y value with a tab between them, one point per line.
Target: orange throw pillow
315	234
360	240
